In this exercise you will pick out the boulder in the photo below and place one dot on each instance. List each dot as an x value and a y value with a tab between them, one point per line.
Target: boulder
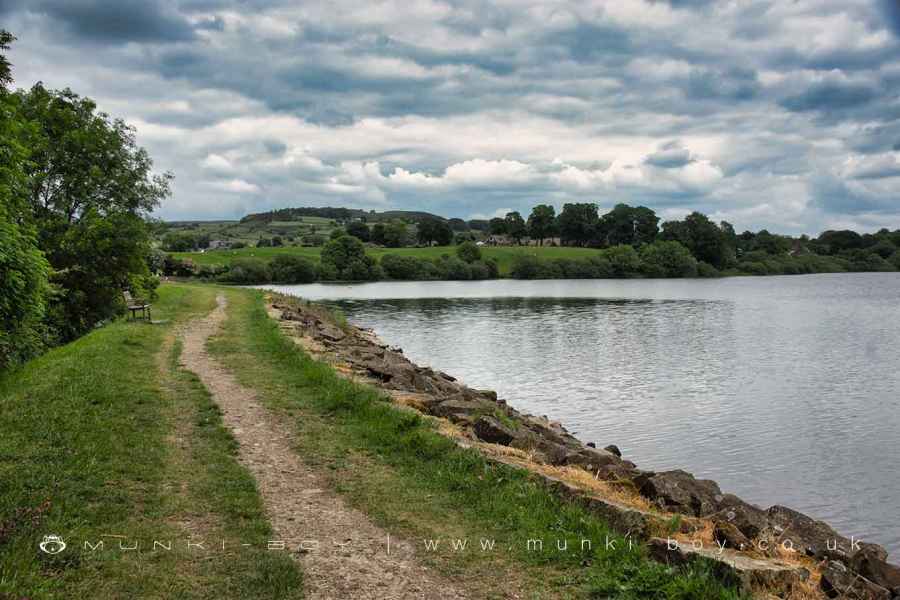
750	520
614	449
393	369
839	581
490	429
331	333
460	410
812	537
750	573
871	563
679	491
730	536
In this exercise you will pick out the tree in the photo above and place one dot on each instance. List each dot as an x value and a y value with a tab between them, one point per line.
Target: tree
497	226
667	259
434	231
395	234
706	241
542	222
347	256
90	189
359	230
377	235
24	271
6	38
515	226
458	225
628	225
835	242
286	268
578	223
468	252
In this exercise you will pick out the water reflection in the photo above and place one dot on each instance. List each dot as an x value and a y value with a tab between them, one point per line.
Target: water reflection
782	389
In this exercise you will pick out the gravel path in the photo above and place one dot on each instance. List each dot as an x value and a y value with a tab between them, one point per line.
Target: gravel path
342	553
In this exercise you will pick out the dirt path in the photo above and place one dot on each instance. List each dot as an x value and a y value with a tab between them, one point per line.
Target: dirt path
343	554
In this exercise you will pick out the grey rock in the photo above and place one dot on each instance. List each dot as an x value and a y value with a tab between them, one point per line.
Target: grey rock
679	491
839	581
490	429
460	410
871	563
614	449
810	536
750	520
730	536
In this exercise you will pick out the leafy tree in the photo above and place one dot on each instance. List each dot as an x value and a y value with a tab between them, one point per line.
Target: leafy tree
578	223
377	235
458	225
347	256
623	260
6	38
406	268
286	268
90	189
705	240
359	230
248	271
542	222
395	234
497	226
469	252
667	259
435	231
835	242
515	226
628	225
23	269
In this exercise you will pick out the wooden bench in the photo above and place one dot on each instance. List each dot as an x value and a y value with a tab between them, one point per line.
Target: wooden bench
136	304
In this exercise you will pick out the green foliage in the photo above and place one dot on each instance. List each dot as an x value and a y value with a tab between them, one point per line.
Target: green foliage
542	222
895	260
624	260
627	225
704	269
516	228
359	230
578	223
434	231
292	269
667	259
248	271
347	256
497	226
705	240
407	268
175	241
469	252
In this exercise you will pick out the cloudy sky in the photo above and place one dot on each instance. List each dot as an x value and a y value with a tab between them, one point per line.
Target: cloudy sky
782	114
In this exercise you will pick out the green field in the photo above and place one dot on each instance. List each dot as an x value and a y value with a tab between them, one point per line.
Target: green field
250	232
504	255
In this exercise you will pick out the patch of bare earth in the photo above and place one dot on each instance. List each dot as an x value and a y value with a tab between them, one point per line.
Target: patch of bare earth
343	554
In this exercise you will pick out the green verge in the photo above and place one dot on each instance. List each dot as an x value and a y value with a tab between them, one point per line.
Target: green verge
504	255
417	484
108	436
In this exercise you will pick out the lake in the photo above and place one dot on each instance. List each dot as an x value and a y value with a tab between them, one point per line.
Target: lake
785	390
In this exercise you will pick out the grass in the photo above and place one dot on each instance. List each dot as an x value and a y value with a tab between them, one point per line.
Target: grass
394	466
504	255
108	436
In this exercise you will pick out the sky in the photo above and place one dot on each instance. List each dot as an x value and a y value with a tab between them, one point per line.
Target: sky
781	114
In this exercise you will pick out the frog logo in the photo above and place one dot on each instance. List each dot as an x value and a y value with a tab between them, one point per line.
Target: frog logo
52	544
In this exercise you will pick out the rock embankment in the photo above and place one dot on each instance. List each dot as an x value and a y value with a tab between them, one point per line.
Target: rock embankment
777	550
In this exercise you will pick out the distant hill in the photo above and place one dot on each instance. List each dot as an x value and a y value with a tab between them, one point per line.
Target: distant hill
339	214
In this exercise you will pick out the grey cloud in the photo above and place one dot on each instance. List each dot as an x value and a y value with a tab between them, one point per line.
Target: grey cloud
830	96
672	155
117	21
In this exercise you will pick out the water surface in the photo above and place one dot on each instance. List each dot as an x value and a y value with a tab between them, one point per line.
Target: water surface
783	389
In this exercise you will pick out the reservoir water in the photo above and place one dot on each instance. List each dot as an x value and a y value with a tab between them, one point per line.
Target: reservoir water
785	390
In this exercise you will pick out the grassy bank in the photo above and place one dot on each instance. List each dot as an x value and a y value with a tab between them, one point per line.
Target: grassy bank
504	255
107	436
416	483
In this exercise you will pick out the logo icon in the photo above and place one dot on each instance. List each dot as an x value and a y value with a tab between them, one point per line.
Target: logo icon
52	544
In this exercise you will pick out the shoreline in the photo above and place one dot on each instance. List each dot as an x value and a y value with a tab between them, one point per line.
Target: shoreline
754	542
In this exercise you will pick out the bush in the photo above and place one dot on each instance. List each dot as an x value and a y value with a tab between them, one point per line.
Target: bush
526	266
895	259
178	267
347	256
704	269
247	271
292	269
452	268
667	259
624	260
406	268
469	252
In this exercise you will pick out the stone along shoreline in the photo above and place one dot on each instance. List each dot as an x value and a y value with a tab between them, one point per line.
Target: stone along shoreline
776	551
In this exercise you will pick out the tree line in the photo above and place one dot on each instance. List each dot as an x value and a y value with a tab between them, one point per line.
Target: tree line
75	194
